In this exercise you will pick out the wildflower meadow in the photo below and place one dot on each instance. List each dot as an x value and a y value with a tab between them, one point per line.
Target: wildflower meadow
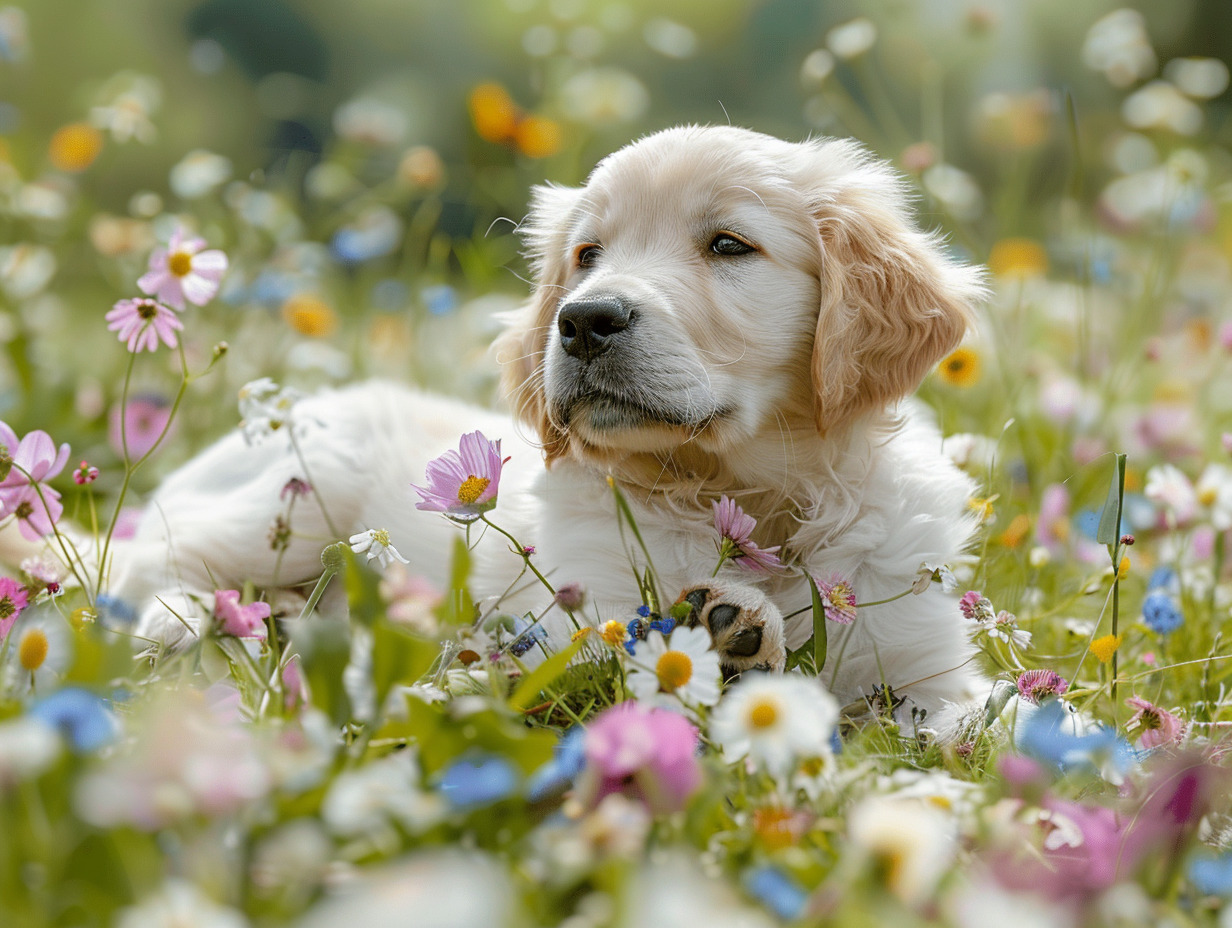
212	208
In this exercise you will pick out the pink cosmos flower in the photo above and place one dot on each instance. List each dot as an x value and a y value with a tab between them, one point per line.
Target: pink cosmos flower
648	754
735	528
241	621
463	483
143	323
182	271
35	459
1158	726
140	424
13	599
838	599
1035	685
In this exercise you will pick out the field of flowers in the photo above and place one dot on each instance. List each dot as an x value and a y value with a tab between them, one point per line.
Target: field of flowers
208	208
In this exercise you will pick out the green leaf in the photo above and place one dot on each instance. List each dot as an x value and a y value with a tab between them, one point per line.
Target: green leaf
398	658
819	627
1109	531
458	608
324	647
543	676
363	591
648	584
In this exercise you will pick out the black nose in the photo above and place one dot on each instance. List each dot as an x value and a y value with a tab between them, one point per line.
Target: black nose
587	326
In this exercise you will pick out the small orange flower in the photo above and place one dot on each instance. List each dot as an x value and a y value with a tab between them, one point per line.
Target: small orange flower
960	369
538	137
1103	648
1016	531
1018	257
74	147
494	113
309	315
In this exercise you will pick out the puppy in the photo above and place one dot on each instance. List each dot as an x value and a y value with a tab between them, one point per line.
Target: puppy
716	312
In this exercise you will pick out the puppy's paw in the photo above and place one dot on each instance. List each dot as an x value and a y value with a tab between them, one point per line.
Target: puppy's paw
746	628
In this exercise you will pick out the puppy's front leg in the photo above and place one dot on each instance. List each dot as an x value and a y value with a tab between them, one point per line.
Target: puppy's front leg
747	629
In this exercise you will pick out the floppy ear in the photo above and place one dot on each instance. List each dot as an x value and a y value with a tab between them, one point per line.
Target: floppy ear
892	302
519	349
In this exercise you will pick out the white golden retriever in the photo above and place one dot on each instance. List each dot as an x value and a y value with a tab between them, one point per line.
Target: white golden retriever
716	312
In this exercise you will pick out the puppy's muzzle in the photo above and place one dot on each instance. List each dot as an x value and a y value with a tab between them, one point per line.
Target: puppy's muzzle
588	327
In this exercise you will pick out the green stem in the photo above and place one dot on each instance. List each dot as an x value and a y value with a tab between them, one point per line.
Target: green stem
520	549
333	529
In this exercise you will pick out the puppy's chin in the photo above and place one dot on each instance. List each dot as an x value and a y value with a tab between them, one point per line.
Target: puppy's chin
616	424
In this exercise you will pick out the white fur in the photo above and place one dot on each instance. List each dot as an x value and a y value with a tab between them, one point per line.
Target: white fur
802	349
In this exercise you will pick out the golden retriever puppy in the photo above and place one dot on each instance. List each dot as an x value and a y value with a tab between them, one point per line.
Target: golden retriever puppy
716	313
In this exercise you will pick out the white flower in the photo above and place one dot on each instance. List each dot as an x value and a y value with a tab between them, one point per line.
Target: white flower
1201	78
129	99
956	190
1159	105
28	746
684	671
929	572
1171	490
777	720
366	800
265	408
913	842
1214	491
198	173
604	96
852	39
376	544
1118	45
180	904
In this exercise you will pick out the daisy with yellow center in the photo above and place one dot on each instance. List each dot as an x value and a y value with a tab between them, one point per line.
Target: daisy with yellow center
683	670
778	721
960	369
32	649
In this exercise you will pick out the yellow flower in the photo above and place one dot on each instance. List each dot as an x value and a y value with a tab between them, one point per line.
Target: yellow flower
1123	570
960	369
983	506
1016	531
613	632
494	113
538	136
32	649
1103	648
581	633
309	315
74	147
1018	257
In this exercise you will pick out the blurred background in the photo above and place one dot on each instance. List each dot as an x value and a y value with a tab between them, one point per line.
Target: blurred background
364	164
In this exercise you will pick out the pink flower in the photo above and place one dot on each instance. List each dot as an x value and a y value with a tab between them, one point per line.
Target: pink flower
1035	685
182	271
143	323
976	606
648	754
838	599
85	473
13	599
241	621
1158	726
23	492
735	528
141	423
463	483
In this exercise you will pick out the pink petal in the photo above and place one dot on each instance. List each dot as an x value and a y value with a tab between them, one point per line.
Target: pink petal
197	289
211	264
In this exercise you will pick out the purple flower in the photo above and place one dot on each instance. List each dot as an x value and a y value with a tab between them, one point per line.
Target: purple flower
142	323
1158	726
838	599
1035	685
182	271
241	621
735	528
23	492
463	483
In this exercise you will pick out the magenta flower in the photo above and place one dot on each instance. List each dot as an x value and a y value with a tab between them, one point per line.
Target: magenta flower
85	473
977	607
241	621
35	459
463	483
140	424
838	599
182	271
648	754
1036	685
735	528
13	599
143	323
1158	726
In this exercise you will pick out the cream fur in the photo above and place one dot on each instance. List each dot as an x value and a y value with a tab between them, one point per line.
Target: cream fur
780	372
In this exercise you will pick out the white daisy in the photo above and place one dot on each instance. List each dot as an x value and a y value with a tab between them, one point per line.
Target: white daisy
777	720
376	544
1214	490
684	671
913	843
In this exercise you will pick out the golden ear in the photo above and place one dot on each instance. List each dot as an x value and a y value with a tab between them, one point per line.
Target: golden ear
519	350
893	303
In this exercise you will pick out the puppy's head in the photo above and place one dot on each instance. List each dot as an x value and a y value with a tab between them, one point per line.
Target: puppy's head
707	283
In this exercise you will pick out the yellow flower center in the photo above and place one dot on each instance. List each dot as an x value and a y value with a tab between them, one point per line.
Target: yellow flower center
613	632
1207	496
472	488
381	537
32	649
763	714
180	264
674	669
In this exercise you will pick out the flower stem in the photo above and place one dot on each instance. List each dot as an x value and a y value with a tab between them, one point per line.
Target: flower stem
521	550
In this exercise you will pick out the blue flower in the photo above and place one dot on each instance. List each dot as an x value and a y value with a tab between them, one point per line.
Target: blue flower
643	611
1163	578
568	758
777	891
375	232
473	782
80	716
663	625
1160	613
1050	735
113	611
528	633
1212	876
440	300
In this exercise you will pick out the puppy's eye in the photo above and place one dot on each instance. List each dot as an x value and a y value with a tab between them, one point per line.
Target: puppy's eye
729	246
587	255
